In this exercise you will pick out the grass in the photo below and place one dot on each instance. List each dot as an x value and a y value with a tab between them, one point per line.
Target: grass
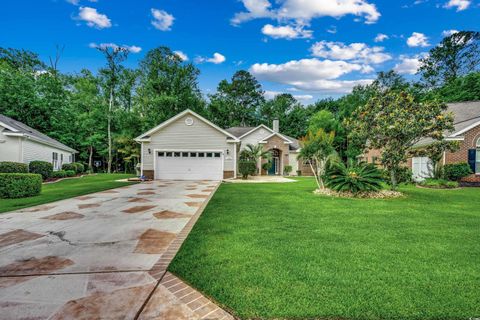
277	251
65	189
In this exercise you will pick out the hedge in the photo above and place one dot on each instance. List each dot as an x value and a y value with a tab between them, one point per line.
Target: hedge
70	173
42	168
59	174
13	167
68	166
456	171
79	167
247	168
20	185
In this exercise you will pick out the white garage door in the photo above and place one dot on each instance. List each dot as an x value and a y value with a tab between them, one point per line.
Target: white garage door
421	168
189	165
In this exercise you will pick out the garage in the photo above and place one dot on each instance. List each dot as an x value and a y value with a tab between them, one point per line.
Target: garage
189	165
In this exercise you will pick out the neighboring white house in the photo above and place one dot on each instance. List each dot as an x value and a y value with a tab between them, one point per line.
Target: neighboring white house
21	143
189	147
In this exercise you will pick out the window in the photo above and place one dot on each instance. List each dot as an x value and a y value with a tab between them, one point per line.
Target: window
193	154
201	154
70	158
169	154
209	155
217	154
161	154
185	154
477	158
55	160
176	154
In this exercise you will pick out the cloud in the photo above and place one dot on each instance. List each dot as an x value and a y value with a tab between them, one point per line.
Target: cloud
303	11
181	55
409	65
162	20
380	37
93	18
286	32
447	33
310	74
300	97
332	29
418	40
77	2
216	59
357	52
459	4
132	49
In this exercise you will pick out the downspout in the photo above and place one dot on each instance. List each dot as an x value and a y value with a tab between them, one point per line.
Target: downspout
141	160
235	160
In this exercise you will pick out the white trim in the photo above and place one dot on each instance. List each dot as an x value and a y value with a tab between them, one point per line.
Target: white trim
3	124
465	129
14	134
178	116
141	159
264	140
454	138
235	161
253	130
26	136
184	150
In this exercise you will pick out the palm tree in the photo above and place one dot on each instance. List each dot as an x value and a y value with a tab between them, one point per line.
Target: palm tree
255	153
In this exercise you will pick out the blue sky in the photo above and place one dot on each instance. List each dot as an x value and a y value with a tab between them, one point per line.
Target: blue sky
310	48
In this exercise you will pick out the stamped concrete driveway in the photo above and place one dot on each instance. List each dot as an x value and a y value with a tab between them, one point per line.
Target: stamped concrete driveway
100	256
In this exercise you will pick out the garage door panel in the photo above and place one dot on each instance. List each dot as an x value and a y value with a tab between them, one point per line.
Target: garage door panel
189	168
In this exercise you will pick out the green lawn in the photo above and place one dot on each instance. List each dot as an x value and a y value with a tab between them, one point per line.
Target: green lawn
278	251
67	189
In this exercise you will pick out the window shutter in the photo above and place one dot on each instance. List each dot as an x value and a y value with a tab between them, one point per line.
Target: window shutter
472	153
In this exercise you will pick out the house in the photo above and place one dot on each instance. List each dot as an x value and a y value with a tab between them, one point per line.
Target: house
189	147
20	143
467	132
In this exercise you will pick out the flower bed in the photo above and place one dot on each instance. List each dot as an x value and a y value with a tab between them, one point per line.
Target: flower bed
381	194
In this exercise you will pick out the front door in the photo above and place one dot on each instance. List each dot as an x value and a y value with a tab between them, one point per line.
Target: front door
274	169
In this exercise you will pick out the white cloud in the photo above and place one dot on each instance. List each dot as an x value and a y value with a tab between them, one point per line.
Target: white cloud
303	11
181	55
381	37
418	39
357	52
447	33
216	59
300	97
286	32
132	49
93	18
162	20
459	4
332	29
408	65
310	74
77	2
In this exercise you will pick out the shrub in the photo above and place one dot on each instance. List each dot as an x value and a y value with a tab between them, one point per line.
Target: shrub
456	171
13	167
299	172
59	174
70	173
267	166
42	168
20	185
439	184
79	167
404	175
247	168
287	169
353	178
68	166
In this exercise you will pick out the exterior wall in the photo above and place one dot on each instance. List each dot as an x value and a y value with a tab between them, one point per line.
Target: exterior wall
292	160
276	142
179	136
10	148
373	156
461	155
34	151
254	137
228	174
305	168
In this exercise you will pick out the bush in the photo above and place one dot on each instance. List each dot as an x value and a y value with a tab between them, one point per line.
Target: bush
267	166
42	168
79	167
70	173
20	185
439	184
247	168
13	167
404	175
456	171
68	166
287	170
353	178
299	173
59	174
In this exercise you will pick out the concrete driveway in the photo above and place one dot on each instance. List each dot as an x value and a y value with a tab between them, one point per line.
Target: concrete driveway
99	256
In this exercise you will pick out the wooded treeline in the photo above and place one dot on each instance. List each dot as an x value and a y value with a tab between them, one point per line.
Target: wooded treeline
76	108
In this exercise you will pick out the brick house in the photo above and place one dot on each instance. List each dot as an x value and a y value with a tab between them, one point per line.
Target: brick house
467	132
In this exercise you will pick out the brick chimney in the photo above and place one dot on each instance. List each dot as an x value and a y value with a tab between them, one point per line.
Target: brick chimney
276	125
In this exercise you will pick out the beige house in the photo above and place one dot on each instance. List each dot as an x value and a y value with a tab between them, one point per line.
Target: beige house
21	143
189	147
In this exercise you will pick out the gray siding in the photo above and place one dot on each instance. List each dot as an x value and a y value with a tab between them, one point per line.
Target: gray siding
34	151
179	136
10	148
254	137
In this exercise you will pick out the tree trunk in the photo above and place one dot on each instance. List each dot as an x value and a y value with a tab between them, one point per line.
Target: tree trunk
90	158
109	119
316	176
393	180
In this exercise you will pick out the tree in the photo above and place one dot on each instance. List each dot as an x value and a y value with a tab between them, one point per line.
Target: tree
393	122
166	87
457	55
465	88
291	114
236	103
317	148
114	56
254	153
